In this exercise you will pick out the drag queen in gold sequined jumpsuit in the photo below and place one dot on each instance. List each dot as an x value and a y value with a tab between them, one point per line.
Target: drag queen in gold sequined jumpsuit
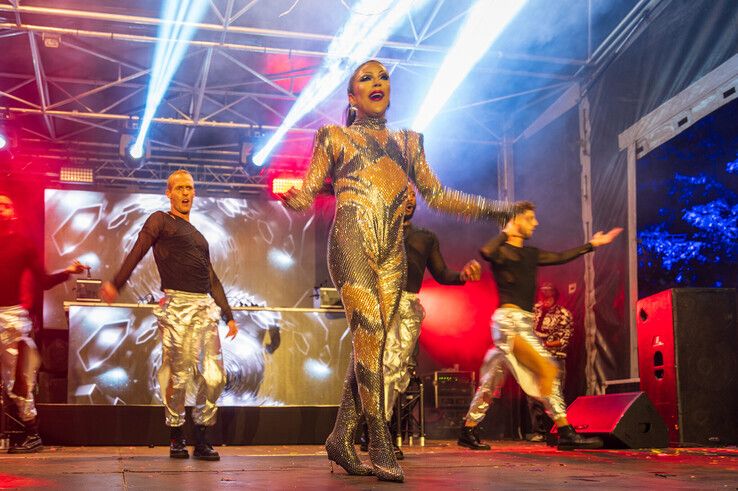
370	166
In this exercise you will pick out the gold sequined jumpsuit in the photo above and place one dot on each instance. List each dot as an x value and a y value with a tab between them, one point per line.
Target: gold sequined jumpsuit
370	166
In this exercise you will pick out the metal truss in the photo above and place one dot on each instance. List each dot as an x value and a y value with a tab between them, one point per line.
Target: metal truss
227	85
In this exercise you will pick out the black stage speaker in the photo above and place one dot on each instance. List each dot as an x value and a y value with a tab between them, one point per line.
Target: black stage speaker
688	362
626	420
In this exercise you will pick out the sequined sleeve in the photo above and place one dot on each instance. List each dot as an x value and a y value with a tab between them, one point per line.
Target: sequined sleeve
320	165
449	200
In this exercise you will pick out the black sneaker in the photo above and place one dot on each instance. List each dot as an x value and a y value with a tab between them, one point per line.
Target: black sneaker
570	440
204	451
470	439
178	449
30	444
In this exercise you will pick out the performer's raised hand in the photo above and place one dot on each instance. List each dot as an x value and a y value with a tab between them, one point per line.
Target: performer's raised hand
600	239
76	267
472	271
232	329
108	292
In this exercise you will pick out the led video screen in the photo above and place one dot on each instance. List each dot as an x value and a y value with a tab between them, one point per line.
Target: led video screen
115	353
263	254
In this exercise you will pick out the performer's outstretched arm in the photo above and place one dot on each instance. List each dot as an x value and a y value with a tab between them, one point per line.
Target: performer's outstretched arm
146	238
439	270
449	200
490	250
218	294
46	280
546	258
320	164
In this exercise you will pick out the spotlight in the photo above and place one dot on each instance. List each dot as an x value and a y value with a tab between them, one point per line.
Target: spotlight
136	151
179	20
484	23
8	137
128	149
370	24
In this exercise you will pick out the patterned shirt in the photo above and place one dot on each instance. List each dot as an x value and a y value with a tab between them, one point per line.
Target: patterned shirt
554	324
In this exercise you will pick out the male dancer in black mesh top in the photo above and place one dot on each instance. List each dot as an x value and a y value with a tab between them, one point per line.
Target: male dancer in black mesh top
188	314
19	357
517	348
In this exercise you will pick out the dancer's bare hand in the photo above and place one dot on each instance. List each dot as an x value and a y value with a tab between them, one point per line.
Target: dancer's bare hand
600	239
472	271
76	267
108	292
232	329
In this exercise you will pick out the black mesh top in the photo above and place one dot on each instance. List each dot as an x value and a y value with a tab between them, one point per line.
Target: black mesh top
422	250
514	268
18	254
182	257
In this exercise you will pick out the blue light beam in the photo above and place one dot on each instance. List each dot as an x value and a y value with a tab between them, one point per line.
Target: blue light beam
176	30
483	24
370	24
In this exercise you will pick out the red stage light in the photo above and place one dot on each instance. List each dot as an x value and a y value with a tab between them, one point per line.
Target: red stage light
281	185
456	326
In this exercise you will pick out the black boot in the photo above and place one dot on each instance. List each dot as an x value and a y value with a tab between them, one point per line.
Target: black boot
570	439
177	445
393	433
470	439
31	440
203	450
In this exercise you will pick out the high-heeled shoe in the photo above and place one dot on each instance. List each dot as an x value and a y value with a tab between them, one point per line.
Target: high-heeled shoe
344	454
384	464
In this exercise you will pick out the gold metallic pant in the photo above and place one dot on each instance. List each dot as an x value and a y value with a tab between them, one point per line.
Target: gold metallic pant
366	257
18	356
399	347
508	325
190	354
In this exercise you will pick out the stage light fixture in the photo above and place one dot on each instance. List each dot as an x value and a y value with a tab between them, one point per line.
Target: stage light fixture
281	185
483	24
179	17
8	137
76	175
132	155
358	40
51	40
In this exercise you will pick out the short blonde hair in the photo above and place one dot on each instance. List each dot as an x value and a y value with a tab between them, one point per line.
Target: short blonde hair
179	172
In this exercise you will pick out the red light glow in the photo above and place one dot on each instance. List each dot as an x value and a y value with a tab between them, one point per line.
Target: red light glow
456	328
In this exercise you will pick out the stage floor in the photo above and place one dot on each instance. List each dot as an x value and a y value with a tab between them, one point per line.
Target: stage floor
441	464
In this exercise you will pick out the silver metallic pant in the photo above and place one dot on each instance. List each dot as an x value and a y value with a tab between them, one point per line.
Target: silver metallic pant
15	330
398	349
507	325
190	354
